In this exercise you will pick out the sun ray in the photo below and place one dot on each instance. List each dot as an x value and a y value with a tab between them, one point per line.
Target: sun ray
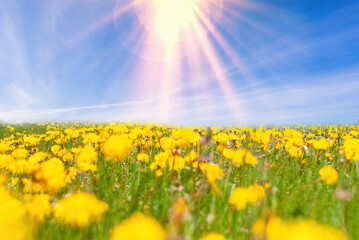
168	34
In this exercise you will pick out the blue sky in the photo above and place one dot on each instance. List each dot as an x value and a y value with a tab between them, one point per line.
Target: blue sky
299	64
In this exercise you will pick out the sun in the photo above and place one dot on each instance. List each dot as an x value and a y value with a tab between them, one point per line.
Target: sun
171	20
166	30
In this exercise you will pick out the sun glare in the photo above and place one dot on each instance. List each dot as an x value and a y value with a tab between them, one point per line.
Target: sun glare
173	17
170	20
169	36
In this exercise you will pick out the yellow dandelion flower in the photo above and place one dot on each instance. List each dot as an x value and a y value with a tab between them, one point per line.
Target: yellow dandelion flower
259	227
31	186
321	144
143	157
185	138
139	227
329	175
161	160
176	162
213	236
4	147
276	229
294	145
38	157
351	149
86	159
240	156
14	224
329	156
79	209
71	174
31	141
10	128
159	173
213	172
116	148
192	156
38	206
3	179
14	181
5	161
55	149
20	153
250	159
52	175
241	196
268	185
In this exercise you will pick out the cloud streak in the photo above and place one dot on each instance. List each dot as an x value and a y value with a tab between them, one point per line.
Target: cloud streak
294	103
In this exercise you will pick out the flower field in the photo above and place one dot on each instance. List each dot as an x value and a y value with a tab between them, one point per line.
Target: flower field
136	182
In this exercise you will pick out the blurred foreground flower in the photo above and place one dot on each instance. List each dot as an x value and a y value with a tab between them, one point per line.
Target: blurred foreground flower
276	229
213	236
117	147
52	175
329	175
351	149
242	196
14	224
79	209
139	227
86	159
38	206
213	172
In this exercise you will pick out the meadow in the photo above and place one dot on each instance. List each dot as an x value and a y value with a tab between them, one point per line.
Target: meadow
146	181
